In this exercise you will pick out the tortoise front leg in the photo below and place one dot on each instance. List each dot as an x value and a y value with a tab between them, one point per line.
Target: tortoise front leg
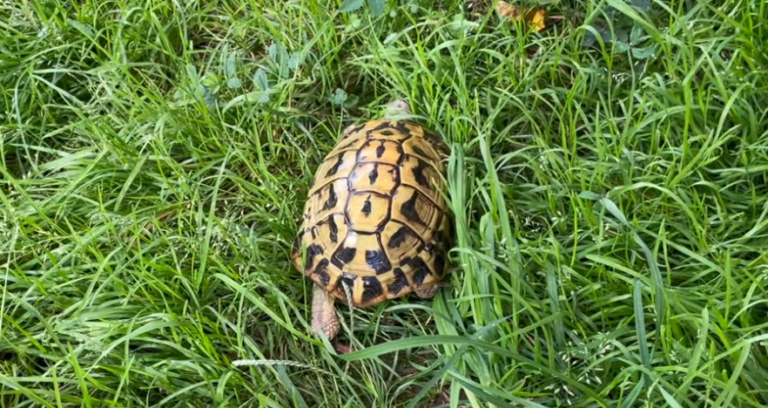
324	319
427	292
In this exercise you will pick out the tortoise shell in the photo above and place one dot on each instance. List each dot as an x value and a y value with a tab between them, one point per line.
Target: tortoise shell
375	218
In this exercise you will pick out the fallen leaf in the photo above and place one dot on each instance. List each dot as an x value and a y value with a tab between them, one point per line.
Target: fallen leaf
535	17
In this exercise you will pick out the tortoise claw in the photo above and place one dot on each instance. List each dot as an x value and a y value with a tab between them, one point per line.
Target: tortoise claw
344	348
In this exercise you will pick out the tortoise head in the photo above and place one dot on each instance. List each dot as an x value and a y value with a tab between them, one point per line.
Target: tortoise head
397	107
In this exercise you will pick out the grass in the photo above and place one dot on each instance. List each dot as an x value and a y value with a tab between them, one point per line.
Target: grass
611	205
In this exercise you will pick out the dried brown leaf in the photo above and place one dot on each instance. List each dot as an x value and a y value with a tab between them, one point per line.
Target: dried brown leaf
533	17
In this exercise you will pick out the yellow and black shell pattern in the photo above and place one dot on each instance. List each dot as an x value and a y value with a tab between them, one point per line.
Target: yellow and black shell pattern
375	218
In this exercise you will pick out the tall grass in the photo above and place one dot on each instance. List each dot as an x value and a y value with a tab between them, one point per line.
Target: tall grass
610	204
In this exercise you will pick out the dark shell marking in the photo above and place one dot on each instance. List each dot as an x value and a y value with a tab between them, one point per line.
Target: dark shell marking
375	219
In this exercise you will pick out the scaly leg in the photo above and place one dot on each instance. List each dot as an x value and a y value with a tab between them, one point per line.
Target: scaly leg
427	292
324	319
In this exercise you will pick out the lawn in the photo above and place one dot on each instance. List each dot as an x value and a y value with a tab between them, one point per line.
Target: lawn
610	196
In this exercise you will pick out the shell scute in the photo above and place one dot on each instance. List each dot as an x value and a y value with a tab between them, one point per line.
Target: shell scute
419	173
401	241
352	257
414	209
381	151
330	231
336	166
374	177
370	210
328	199
417	147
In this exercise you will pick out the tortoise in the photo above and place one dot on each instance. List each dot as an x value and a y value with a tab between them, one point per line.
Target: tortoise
375	219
